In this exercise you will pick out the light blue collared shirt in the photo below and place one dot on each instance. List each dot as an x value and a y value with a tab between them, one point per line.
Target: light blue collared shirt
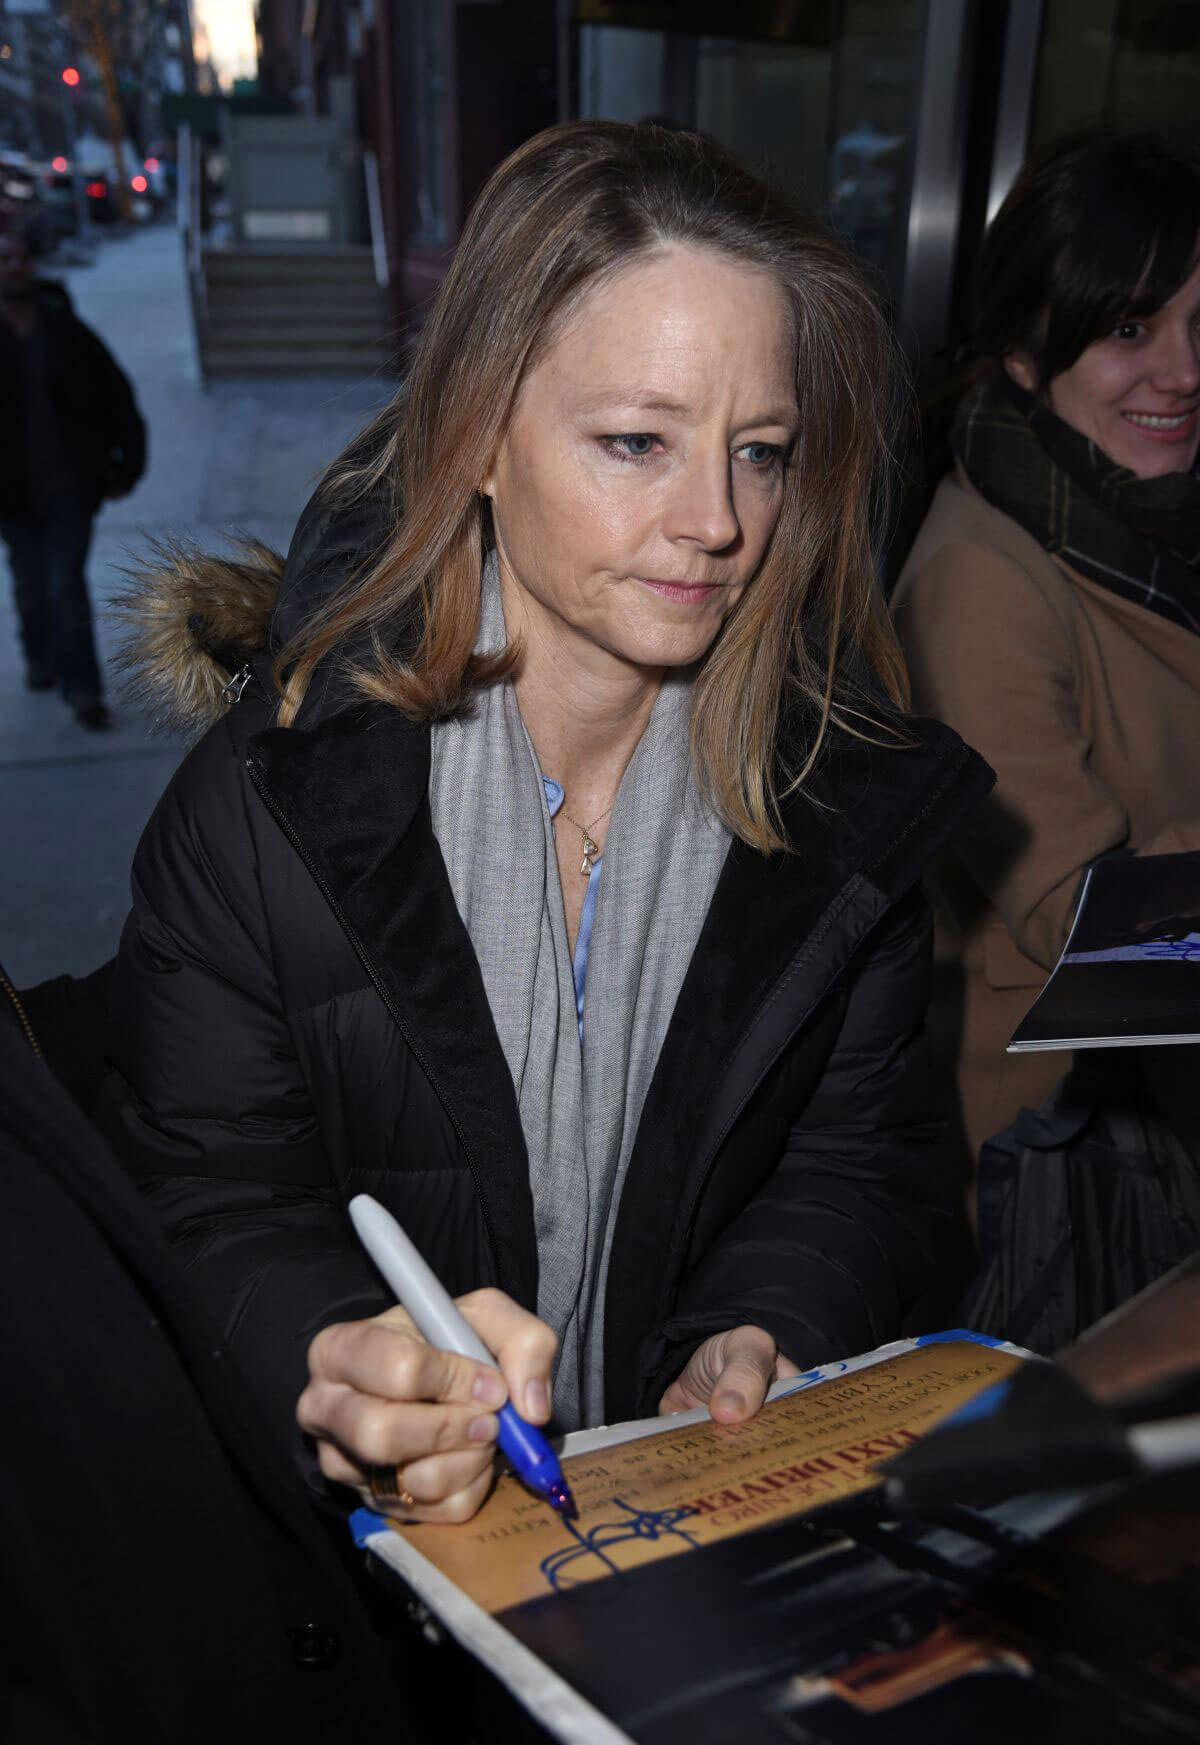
554	800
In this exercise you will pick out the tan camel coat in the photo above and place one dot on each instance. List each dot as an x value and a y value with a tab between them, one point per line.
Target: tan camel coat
1088	708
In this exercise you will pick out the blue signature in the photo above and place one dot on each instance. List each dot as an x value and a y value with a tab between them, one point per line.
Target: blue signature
1186	950
809	1378
649	1524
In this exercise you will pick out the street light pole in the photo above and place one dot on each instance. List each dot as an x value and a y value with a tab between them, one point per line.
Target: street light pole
70	128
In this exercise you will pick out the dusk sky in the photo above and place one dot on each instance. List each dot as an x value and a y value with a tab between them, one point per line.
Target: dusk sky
229	25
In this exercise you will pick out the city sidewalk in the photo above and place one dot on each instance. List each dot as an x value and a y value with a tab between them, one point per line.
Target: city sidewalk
238	456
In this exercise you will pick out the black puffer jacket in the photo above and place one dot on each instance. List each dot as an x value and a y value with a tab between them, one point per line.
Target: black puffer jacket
298	1016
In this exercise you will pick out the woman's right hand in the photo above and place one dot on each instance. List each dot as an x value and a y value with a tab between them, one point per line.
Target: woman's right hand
379	1395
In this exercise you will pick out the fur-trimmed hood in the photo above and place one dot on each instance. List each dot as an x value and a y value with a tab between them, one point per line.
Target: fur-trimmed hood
192	620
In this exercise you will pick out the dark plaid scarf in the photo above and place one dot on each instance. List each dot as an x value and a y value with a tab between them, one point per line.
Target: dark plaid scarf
1139	537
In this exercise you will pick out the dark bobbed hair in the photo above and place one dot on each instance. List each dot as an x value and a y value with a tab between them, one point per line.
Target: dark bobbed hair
1096	228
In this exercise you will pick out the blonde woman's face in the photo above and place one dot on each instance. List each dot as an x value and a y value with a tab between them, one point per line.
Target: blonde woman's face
642	474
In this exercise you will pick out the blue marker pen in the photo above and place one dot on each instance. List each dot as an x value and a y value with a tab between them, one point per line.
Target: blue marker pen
432	1308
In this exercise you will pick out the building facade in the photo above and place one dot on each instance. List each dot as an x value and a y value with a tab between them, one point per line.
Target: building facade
902	121
150	43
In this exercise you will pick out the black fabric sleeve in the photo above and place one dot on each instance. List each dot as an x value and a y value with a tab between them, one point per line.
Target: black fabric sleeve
125	428
205	1101
842	1238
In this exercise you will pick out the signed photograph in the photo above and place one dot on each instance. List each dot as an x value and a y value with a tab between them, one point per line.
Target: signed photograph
1129	974
851	1626
669	1494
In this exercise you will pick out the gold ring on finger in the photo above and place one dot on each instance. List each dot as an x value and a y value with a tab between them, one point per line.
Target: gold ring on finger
384	1484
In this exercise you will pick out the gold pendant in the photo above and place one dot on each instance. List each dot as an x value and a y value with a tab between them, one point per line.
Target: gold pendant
589	849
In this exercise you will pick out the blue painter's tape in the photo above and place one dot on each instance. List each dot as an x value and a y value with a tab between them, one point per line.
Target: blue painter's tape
954	1333
363	1523
981	1406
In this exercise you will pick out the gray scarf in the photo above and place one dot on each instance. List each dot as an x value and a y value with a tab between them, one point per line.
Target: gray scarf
579	1105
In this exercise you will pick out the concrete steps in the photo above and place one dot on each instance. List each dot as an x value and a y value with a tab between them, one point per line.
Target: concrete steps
296	312
324	361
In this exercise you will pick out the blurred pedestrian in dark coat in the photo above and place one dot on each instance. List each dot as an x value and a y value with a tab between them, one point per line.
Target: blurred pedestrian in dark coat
70	436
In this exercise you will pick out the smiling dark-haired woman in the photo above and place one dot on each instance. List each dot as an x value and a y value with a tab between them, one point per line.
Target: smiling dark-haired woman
564	891
1050	608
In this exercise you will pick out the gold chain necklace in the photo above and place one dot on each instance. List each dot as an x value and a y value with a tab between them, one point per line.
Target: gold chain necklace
590	849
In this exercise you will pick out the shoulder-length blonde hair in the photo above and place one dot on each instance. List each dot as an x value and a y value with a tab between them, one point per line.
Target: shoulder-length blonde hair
567	210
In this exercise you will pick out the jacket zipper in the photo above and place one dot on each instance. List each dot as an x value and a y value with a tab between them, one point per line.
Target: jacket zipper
739	1106
260	787
735	1113
231	690
26	1026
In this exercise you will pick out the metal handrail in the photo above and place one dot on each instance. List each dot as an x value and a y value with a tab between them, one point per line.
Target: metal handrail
379	249
189	219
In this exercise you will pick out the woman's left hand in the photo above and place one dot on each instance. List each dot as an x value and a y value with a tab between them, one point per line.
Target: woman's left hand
730	1374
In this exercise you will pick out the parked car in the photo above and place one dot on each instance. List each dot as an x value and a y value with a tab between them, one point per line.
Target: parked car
56	193
98	158
25	200
159	165
101	198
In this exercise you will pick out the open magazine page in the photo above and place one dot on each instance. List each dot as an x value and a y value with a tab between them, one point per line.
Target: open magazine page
1129	974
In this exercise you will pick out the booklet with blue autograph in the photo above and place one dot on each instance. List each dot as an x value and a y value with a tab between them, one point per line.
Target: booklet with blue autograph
1129	974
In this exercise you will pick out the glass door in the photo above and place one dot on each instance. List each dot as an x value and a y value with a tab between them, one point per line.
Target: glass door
822	96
